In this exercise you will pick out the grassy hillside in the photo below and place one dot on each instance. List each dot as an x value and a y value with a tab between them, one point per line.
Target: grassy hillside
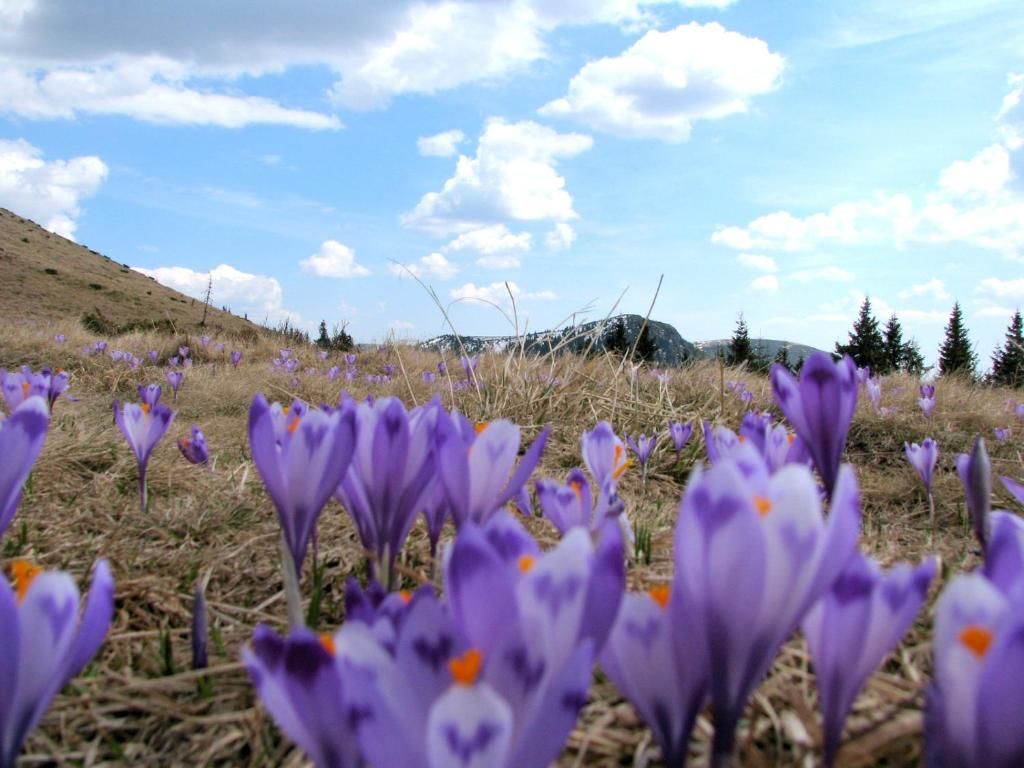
139	704
50	279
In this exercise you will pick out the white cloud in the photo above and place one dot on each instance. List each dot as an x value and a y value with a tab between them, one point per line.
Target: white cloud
444	144
561	237
826	274
48	192
498	293
758	262
495	240
512	177
977	202
402	325
996	311
432	265
153	91
666	81
334	259
765	284
1002	289
934	288
258	296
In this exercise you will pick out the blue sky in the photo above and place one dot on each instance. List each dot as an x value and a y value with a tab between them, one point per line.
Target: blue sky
782	160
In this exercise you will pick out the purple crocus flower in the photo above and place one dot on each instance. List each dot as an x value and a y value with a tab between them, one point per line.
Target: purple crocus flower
442	368
436	512
923	459
571	505
153	355
236	358
391	474
219	346
604	454
1018	411
849	631
1002	434
204	341
863	375
429	377
333	372
284	354
390	370
291	365
874	389
150	393
820	407
45	643
301	455
99	347
974	704
60	338
1015	488
753	554
495	675
200	629
643	447
975	472
469	364
322	354
194	448
183	352
22	435
680	434
476	466
143	426
927	399
20	386
174	378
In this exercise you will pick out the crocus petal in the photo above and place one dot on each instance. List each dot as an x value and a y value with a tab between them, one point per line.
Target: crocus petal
469	727
1016	489
21	439
975	472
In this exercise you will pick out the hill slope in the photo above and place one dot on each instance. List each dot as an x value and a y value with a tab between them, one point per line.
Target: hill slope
47	278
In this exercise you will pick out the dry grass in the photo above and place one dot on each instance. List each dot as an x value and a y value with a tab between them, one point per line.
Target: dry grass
129	708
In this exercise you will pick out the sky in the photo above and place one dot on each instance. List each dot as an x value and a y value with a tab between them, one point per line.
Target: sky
505	164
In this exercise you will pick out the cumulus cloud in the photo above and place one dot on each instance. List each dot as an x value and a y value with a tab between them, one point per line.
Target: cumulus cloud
244	293
765	284
996	311
444	144
976	202
934	288
511	177
432	265
496	246
498	293
561	237
375	51
334	259
758	262
153	91
48	192
666	81
1002	289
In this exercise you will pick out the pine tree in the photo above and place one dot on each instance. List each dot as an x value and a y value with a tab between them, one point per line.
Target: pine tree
1008	362
782	358
956	355
615	341
645	345
866	345
912	359
740	349
342	340
892	338
323	340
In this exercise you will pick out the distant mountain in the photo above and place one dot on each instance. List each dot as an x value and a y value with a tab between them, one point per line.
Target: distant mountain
768	348
671	348
47	278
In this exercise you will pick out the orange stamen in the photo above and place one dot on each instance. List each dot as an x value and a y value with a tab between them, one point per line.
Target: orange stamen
480	426
525	563
24	388
144	407
466	668
327	641
619	468
660	594
763	505
405	595
977	639
293	425
183	442
577	488
790	438
23	573
742	438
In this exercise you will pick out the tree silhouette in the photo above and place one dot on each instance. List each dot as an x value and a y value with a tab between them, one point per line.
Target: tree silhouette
956	355
1008	362
866	345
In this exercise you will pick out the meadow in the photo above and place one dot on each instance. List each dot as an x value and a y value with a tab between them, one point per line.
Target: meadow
139	701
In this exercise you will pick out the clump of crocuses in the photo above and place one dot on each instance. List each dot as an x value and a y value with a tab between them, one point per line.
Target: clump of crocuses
923	459
194	447
143	426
